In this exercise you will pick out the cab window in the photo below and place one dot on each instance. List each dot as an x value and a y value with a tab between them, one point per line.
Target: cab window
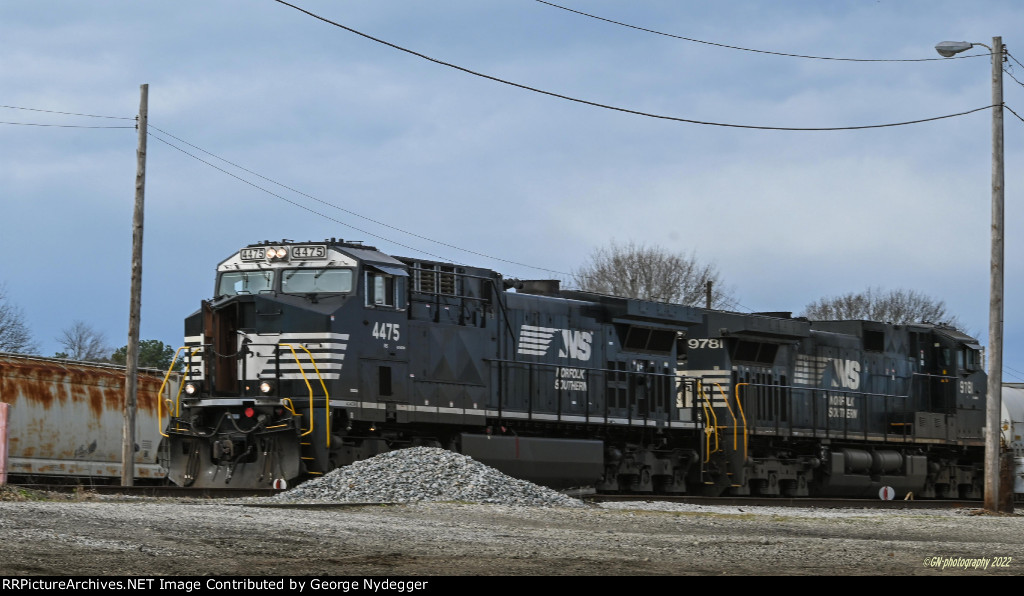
319	281
384	290
967	359
233	283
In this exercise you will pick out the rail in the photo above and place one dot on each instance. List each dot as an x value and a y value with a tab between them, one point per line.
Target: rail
327	398
725	399
177	397
743	415
849	415
663	413
710	429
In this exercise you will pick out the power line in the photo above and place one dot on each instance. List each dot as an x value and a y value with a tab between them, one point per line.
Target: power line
1005	51
618	109
61	125
68	113
1013	372
722	45
1014	113
287	200
325	216
1009	73
380	223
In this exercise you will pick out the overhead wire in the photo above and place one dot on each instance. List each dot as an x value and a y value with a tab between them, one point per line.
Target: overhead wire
321	201
731	303
1014	113
61	125
258	175
1009	73
1007	52
1013	372
380	223
1008	70
722	45
68	113
616	108
63	114
285	199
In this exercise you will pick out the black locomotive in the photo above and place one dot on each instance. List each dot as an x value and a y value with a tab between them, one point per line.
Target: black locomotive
314	355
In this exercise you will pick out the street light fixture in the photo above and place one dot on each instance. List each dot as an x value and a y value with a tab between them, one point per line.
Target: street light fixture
993	405
950	48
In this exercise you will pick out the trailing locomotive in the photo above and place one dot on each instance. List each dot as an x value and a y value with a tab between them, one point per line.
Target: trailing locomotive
312	356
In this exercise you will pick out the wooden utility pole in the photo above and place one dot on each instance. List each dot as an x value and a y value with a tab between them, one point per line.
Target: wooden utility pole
131	382
993	407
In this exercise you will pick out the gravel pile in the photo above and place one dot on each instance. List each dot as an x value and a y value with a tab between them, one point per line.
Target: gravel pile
424	474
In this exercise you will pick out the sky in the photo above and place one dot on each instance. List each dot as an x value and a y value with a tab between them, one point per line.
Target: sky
267	124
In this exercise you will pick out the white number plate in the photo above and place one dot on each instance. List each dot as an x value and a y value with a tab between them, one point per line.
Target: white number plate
309	253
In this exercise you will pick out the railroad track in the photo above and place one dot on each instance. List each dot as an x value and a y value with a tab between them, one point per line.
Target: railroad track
149	490
805	502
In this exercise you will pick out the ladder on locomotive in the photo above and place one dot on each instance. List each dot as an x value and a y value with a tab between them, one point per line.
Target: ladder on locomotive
314	461
714	426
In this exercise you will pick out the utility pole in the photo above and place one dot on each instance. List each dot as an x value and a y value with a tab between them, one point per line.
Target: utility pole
993	407
131	382
994	396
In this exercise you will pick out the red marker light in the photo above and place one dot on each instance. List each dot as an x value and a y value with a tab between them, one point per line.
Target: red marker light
249	412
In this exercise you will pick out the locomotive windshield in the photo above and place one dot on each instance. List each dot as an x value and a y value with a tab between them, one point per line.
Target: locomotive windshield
233	283
306	281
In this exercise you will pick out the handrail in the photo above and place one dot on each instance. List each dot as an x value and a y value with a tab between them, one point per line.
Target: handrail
725	398
708	430
308	386
327	397
739	404
177	397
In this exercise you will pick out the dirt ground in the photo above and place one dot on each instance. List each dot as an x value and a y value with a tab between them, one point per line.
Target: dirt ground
100	537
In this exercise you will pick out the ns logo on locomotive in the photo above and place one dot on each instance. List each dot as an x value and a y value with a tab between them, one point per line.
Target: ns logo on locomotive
311	356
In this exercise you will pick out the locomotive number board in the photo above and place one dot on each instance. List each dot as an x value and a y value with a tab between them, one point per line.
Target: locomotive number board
253	254
309	253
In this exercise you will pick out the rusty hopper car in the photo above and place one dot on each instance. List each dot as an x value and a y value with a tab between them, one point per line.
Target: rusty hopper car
311	356
66	418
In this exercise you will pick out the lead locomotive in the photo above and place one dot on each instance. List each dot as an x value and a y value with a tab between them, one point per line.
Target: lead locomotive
312	356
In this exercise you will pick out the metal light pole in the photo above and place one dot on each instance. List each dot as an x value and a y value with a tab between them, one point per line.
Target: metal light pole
993	407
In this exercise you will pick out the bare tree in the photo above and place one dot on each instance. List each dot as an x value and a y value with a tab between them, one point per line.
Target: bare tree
14	333
875	304
651	273
82	342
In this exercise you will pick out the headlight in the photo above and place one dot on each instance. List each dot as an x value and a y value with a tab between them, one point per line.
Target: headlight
266	387
191	388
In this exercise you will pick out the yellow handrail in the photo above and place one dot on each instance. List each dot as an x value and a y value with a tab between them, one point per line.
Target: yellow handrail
308	386
709	414
725	398
327	397
177	397
739	404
